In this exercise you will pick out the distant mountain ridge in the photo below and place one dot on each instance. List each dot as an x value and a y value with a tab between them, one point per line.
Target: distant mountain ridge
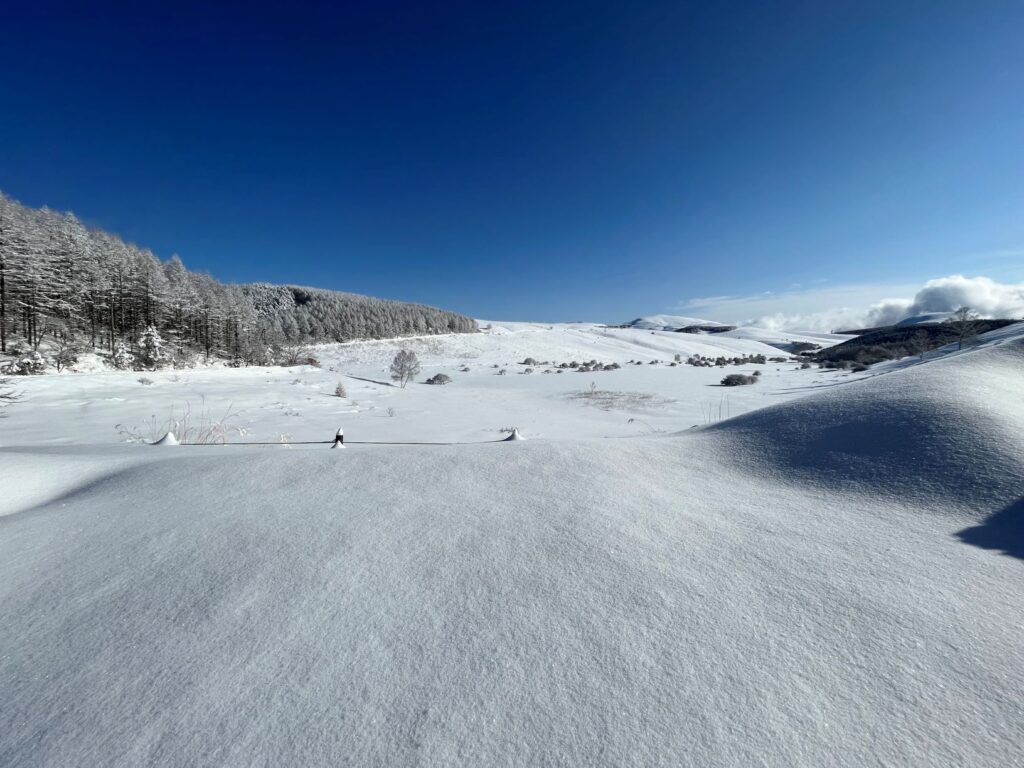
669	322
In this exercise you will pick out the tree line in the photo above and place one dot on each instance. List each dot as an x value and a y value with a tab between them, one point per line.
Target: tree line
65	286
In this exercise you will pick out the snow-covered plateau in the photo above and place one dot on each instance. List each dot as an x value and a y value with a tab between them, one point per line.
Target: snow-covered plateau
821	569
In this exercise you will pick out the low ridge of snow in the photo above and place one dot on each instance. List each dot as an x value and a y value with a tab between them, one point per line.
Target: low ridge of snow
926	318
784	339
832	580
668	322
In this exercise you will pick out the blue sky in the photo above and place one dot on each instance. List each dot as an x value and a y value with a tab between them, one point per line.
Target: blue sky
549	161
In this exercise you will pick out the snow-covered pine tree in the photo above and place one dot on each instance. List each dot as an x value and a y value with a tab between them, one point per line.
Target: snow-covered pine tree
122	357
151	348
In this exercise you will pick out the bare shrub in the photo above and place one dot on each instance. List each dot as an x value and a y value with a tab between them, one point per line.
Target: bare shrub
964	323
8	395
199	428
65	355
608	400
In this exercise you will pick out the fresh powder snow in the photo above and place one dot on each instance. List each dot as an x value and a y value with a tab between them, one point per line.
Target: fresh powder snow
822	569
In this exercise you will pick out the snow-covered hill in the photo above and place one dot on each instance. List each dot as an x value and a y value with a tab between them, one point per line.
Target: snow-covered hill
668	322
784	339
834	580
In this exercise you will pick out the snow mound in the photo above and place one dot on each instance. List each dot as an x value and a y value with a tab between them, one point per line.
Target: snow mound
950	429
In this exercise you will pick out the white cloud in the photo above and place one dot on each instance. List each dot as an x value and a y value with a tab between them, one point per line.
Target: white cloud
850	306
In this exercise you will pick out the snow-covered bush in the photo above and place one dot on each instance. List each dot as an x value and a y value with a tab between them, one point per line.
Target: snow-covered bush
439	378
122	358
295	354
339	391
65	354
803	346
28	364
144	381
738	379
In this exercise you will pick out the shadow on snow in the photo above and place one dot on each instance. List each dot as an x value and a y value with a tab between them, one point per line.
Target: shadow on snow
1003	531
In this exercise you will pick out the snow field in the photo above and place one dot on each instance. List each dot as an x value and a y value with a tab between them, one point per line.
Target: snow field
791	587
274	404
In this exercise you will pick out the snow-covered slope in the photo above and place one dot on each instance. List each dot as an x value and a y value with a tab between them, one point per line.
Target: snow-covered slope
949	429
784	339
928	317
668	322
819	583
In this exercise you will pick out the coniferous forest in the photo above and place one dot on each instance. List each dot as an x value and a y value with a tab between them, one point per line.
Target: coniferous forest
66	289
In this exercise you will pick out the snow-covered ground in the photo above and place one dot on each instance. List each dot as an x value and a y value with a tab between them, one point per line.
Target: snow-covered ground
274	404
831	578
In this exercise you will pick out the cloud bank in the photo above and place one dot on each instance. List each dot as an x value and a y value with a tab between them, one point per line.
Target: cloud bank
861	306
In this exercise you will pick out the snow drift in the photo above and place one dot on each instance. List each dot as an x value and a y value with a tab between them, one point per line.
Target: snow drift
950	428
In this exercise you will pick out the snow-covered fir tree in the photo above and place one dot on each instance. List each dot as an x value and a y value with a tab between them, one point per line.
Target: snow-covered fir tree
151	348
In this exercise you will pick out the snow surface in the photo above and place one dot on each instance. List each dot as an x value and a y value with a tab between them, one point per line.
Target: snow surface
299	404
834	579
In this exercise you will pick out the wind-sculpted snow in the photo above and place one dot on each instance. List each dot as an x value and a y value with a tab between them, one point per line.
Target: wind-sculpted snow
949	429
718	597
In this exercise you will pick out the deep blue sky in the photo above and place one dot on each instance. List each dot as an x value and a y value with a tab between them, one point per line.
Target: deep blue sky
521	160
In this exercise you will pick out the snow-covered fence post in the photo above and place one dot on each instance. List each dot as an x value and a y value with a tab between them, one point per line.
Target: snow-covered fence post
339	438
